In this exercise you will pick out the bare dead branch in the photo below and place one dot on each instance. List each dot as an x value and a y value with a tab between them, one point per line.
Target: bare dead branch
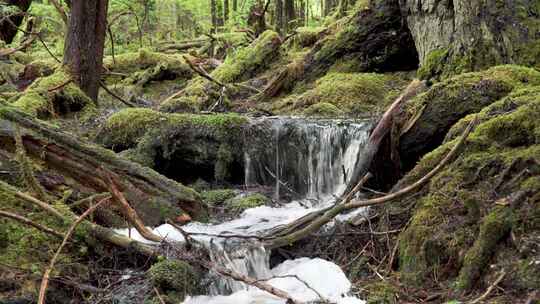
69	233
24	45
128	211
29	222
126	102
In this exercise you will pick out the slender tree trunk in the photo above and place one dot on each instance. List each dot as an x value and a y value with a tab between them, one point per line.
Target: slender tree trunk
85	41
279	16
213	12
226	10
302	12
219	7
235	5
290	14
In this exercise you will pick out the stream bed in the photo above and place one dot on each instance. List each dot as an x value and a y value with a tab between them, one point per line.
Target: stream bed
311	159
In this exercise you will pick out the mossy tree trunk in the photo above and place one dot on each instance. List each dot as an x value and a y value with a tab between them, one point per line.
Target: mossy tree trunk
213	12
226	10
7	30
85	41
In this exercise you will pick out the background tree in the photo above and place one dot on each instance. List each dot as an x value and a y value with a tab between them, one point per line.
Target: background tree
85	42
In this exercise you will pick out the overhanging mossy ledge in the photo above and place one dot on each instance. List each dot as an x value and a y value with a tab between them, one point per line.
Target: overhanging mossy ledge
182	146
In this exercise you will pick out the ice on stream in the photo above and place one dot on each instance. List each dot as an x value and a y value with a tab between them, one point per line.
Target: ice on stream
318	166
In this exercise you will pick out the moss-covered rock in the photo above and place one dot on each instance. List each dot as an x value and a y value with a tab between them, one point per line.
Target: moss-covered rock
381	293
246	201
458	230
183	146
348	93
52	96
444	104
240	66
217	197
176	278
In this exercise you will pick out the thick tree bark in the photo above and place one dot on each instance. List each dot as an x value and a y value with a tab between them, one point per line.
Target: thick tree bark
82	166
85	41
7	30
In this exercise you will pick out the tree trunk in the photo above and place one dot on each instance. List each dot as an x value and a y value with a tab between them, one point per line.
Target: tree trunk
302	12
219	7
290	15
213	12
226	10
85	41
279	16
235	5
7	30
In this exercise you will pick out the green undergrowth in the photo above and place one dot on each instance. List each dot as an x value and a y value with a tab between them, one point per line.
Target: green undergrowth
247	201
176	279
53	96
244	64
343	93
459	232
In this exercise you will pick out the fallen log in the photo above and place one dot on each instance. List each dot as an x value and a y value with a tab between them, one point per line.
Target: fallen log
154	196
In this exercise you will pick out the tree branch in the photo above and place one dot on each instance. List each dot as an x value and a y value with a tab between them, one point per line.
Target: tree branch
29	222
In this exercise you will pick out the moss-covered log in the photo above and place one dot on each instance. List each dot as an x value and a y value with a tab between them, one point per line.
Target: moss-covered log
152	195
182	146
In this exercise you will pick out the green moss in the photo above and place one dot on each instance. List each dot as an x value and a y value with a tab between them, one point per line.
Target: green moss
351	93
381	293
217	197
247	60
243	202
242	65
142	60
51	96
433	65
323	109
493	228
126	127
307	36
175	276
447	215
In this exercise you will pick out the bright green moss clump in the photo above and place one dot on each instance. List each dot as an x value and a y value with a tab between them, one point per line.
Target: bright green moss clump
217	197
176	277
126	127
53	96
351	93
200	94
248	201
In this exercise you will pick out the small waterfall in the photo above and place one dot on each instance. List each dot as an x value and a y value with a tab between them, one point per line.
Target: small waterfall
310	159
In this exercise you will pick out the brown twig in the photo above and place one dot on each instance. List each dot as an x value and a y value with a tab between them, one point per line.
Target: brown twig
46	207
61	11
128	211
127	103
29	222
69	233
490	289
159	296
58	87
21	47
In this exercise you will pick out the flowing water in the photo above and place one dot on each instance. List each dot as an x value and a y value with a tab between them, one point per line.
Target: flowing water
308	160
